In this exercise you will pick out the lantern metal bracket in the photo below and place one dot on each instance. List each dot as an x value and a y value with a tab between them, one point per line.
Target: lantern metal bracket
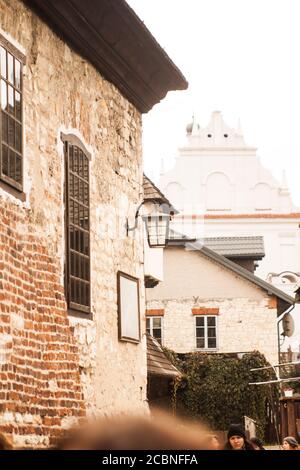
158	222
134	227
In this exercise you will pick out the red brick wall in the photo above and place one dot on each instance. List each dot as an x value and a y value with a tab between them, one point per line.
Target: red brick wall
39	368
205	311
155	312
272	302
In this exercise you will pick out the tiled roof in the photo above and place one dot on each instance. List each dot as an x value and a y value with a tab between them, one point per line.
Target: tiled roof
230	247
152	192
197	246
237	247
157	361
177	237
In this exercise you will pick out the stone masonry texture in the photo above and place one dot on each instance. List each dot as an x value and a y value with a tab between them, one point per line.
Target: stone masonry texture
56	368
243	325
194	285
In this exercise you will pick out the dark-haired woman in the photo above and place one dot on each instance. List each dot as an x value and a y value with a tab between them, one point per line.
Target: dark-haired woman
236	439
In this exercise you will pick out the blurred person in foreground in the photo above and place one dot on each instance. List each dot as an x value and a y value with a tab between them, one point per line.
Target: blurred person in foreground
215	442
159	432
290	443
236	439
5	443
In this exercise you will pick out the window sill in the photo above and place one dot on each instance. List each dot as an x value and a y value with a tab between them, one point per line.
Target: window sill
78	314
12	191
207	350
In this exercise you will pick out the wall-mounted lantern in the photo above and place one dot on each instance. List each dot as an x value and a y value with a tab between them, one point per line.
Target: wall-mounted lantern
157	226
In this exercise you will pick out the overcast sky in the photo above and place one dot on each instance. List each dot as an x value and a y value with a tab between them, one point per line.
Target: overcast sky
240	57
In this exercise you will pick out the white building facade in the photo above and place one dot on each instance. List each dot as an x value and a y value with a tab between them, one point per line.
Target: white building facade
222	189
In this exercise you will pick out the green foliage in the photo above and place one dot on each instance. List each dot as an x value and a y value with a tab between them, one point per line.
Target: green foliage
173	357
216	388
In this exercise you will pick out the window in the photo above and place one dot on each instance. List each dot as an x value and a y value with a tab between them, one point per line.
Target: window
206	332
154	327
219	192
77	226
11	151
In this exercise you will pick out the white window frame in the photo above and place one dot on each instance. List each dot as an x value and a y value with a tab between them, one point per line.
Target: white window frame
206	348
151	326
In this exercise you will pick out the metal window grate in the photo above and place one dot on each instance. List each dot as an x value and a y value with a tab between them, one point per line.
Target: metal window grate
78	229
11	149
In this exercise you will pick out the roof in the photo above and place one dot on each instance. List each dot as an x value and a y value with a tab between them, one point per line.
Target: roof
236	268
176	238
111	36
244	273
237	247
157	361
151	192
230	247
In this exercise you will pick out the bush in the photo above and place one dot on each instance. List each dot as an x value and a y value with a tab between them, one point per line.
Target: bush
216	388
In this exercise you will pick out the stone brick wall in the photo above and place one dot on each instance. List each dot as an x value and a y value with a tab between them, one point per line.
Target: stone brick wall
40	389
194	284
242	325
55	367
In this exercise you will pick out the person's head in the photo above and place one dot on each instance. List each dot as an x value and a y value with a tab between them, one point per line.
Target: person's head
161	432
257	443
236	437
290	443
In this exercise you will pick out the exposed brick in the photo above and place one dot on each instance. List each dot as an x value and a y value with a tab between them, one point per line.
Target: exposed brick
36	355
205	311
237	316
153	312
42	377
272	302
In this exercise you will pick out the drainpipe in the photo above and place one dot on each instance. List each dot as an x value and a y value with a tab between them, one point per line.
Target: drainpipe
279	319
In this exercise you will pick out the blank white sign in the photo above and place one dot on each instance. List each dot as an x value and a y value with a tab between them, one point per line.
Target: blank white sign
129	308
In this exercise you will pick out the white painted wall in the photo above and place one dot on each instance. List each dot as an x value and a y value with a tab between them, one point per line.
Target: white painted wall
223	183
223	174
246	320
153	261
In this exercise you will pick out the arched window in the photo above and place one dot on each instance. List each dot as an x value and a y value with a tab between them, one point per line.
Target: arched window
175	195
218	192
262	197
77	200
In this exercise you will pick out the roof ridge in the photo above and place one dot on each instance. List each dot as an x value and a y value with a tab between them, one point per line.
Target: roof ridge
247	274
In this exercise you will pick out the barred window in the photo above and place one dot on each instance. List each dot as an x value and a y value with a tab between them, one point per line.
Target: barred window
11	151
77	228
